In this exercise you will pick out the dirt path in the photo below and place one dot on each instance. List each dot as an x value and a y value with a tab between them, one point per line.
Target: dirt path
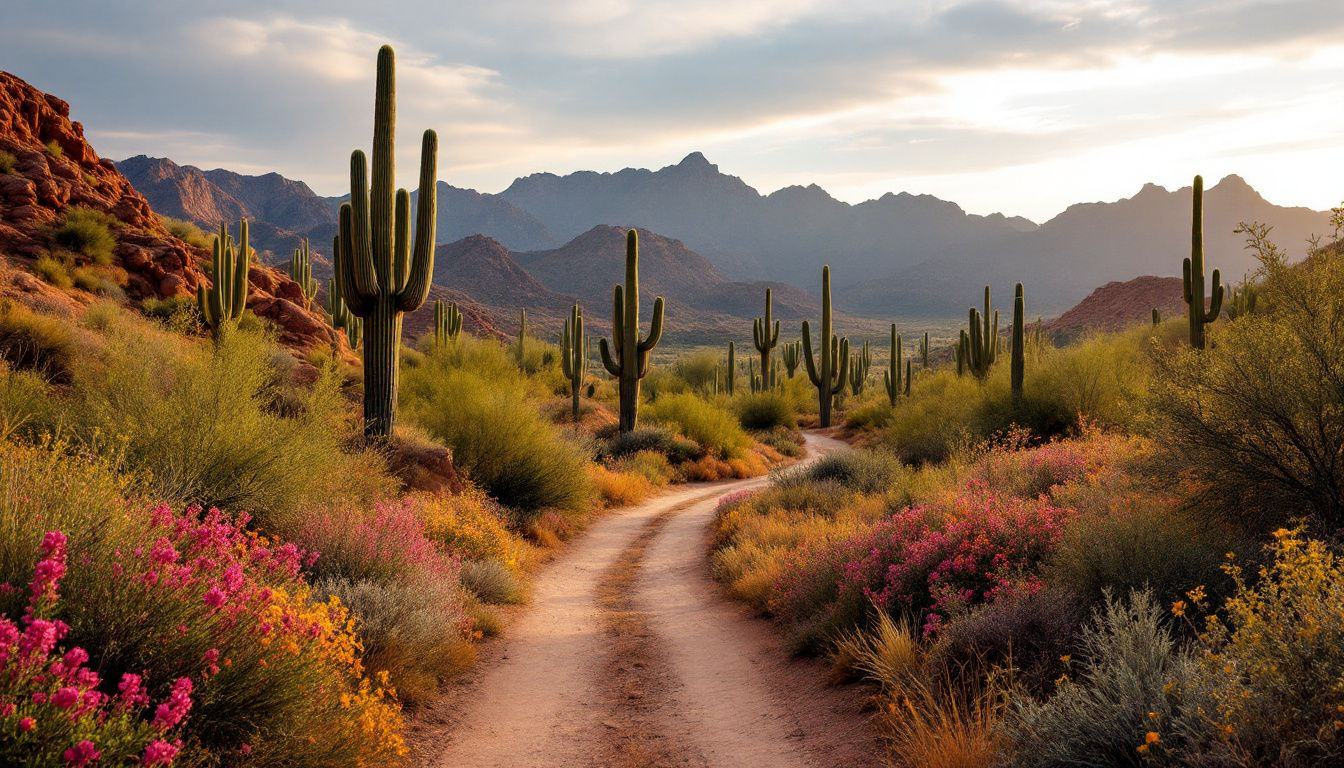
629	654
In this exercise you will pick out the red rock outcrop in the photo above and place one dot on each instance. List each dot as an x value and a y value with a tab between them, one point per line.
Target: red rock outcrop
55	168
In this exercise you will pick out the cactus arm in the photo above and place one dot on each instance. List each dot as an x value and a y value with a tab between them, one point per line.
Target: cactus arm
617	317
401	239
607	361
1216	298
416	288
238	293
364	280
655	328
842	352
808	362
1185	280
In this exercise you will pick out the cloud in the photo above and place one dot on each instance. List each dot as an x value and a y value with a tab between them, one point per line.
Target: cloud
970	100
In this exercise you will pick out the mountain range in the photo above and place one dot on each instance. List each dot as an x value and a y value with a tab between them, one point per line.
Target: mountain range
900	255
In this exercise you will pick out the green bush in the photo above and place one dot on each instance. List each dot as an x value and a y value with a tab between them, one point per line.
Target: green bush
54	149
1141	543
1123	685
33	342
765	410
222	427
407	628
712	427
26	403
87	232
491	581
7	162
1258	418
477	403
54	271
865	471
187	232
940	416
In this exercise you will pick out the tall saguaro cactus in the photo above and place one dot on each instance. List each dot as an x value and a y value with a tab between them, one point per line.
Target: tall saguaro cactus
765	339
924	350
301	272
1019	362
629	361
447	322
574	356
522	336
979	348
730	378
891	378
1192	270
222	304
828	371
385	272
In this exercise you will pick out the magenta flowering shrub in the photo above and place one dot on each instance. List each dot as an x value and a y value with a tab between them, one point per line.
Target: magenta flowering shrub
931	561
53	710
196	595
384	546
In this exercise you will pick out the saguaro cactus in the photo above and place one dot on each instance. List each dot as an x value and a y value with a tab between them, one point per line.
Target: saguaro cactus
730	378
301	272
224	301
522	336
1192	270
341	319
447	322
858	373
979	348
385	273
1244	299
574	356
629	361
924	350
1157	317
828	371
1019	362
765	338
891	378
792	355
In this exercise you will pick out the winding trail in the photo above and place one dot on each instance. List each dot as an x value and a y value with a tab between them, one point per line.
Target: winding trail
629	654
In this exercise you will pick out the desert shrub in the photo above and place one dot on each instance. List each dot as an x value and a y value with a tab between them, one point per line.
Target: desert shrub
940	415
865	471
414	628
99	280
1138	542
946	723
651	465
1272	660
620	488
187	232
1102	379
712	427
869	410
890	654
1258	417
54	271
54	149
1030	632
765	410
205	424
656	439
491	581
931	561
471	526
498	436
7	161
26	404
180	313
1123	686
168	595
53	709
39	343
784	441
699	369
88	233
385	544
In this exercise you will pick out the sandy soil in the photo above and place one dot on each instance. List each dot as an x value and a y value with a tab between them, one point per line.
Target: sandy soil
631	655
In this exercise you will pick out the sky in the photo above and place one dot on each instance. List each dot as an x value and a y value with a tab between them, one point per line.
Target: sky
1015	106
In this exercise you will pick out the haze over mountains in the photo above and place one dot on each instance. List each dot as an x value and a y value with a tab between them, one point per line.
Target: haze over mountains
900	255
